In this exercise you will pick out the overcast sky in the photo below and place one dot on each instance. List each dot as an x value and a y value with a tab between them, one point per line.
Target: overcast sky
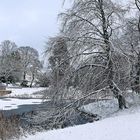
29	22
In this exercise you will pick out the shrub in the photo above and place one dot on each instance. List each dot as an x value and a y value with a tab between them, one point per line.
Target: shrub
24	83
43	80
9	127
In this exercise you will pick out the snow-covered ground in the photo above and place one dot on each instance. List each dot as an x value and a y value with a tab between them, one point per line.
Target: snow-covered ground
11	103
125	126
25	92
115	124
102	108
105	108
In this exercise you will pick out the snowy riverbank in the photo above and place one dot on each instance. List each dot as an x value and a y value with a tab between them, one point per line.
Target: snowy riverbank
123	126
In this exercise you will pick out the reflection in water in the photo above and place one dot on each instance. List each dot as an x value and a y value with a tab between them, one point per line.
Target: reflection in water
23	109
7	106
6	99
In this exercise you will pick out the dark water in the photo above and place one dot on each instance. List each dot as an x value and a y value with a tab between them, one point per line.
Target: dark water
22	109
25	113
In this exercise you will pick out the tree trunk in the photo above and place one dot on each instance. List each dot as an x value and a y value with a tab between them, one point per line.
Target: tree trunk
122	102
106	36
33	77
116	91
118	96
136	83
24	75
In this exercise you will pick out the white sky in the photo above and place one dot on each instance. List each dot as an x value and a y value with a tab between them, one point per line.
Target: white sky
29	22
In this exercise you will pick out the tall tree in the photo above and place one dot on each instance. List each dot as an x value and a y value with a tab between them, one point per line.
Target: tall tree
90	24
57	47
135	47
137	3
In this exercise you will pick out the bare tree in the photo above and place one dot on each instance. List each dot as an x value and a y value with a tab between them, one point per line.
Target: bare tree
133	32
132	36
137	3
89	25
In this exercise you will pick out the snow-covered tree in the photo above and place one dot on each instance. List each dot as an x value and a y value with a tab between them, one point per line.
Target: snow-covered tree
9	62
34	69
29	61
137	3
58	59
89	25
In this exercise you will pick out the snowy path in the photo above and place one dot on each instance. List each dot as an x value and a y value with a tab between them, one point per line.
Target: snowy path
25	92
123	127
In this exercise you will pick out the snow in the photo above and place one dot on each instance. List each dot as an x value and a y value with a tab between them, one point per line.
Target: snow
25	92
114	125
122	127
11	103
106	108
102	108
